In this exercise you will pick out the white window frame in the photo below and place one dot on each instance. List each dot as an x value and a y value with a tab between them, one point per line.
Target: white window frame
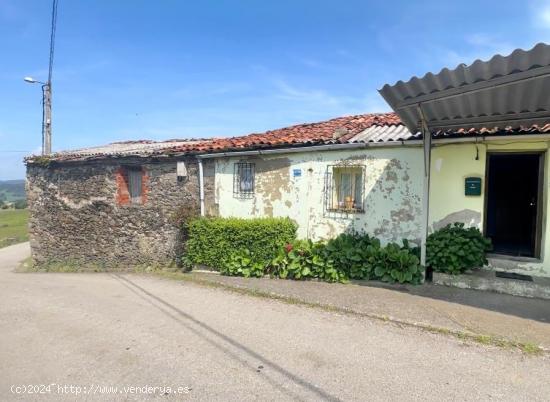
345	188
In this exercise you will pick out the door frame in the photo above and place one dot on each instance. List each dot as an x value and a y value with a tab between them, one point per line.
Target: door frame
540	196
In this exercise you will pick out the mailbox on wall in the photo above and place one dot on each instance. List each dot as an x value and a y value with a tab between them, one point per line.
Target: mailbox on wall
472	186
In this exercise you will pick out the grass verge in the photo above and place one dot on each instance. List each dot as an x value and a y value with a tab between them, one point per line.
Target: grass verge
27	266
13	226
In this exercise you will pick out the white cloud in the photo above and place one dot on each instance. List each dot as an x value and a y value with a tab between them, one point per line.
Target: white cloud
321	102
290	92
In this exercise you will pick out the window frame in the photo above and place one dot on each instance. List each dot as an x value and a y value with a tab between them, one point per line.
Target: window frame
241	170
135	184
132	190
335	194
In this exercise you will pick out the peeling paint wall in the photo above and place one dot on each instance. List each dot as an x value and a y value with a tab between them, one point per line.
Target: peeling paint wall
392	192
451	164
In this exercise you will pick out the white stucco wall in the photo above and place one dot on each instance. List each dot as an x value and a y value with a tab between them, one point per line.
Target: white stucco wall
392	191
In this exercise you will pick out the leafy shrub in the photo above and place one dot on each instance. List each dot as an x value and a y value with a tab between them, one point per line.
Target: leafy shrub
304	259
211	240
243	263
454	249
351	254
393	263
347	256
360	256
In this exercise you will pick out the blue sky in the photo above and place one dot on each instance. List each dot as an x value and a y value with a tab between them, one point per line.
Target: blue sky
177	69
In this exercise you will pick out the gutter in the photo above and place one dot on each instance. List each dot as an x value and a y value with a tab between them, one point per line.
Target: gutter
491	138
364	145
314	148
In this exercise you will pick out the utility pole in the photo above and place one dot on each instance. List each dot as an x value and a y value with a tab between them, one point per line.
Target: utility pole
47	90
47	119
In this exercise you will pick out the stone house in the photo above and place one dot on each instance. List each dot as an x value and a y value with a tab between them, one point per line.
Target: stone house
112	205
117	204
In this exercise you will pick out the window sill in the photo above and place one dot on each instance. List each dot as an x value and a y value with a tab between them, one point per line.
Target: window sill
243	196
347	211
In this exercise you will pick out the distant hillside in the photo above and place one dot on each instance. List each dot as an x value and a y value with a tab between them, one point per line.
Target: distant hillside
12	190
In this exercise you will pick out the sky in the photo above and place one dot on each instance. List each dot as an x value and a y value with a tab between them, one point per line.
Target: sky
137	69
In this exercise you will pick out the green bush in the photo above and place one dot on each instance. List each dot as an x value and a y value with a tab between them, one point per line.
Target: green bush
305	259
393	263
212	240
360	256
348	256
351	252
243	263
454	249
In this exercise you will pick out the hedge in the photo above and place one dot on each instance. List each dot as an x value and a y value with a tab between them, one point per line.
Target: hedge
212	240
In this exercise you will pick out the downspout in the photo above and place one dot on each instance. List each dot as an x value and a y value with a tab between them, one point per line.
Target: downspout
201	186
427	142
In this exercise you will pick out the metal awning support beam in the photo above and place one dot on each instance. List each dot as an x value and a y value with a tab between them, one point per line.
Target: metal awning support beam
541	117
427	143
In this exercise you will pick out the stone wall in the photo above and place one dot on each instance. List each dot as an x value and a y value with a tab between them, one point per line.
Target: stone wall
80	212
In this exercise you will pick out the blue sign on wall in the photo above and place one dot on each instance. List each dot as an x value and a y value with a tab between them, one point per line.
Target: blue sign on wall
297	172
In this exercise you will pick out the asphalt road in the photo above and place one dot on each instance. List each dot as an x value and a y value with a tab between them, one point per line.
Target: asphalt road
94	331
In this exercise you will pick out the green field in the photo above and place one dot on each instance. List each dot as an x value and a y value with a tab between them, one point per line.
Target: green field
12	190
13	226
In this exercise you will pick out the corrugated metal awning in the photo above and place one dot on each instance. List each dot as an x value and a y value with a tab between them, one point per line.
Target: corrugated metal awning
511	91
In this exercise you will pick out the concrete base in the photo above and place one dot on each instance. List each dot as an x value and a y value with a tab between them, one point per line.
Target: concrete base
486	280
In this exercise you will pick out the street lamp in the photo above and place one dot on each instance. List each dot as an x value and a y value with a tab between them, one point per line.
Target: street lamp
47	90
46	114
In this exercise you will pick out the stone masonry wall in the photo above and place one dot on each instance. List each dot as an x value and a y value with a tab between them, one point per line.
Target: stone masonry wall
81	212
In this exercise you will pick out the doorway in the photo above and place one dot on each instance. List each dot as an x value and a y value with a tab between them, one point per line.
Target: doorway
513	203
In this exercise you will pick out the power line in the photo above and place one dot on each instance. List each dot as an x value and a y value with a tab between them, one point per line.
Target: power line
52	40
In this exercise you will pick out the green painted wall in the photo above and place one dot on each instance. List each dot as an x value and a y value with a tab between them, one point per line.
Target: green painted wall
451	164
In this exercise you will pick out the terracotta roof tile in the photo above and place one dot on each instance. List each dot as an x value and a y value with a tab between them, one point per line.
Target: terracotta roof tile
365	128
338	130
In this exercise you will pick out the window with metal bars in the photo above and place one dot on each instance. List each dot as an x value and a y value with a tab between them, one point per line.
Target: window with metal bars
345	188
243	180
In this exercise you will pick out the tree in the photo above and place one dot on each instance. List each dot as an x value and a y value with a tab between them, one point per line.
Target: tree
20	204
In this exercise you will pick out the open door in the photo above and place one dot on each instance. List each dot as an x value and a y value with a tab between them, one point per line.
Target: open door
513	204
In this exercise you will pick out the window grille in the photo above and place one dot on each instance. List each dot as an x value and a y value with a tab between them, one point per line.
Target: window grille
345	188
243	180
135	185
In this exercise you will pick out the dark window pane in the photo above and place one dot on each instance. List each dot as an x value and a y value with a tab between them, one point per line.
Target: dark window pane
134	185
